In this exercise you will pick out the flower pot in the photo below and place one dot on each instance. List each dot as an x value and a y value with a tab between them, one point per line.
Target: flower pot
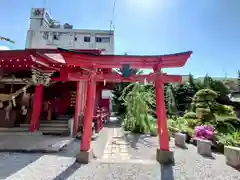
180	140
232	155
188	137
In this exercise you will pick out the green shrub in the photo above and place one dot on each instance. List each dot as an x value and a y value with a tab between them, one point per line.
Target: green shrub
190	115
229	139
191	123
226	124
224	110
154	132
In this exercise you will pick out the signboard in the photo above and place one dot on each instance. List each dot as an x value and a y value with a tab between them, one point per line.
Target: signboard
41	13
106	94
37	12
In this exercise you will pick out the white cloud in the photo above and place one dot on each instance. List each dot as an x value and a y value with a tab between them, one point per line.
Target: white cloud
4	48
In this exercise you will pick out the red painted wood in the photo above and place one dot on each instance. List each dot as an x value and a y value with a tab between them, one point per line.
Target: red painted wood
37	106
116	61
88	115
161	114
75	122
106	104
118	78
99	61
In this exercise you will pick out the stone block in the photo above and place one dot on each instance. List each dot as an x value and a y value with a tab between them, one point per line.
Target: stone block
165	157
232	155
180	140
84	157
204	147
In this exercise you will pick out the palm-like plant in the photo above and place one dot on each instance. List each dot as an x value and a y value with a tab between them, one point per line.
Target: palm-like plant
170	100
6	39
119	106
137	102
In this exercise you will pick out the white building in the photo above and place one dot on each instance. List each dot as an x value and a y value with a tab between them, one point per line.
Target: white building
44	32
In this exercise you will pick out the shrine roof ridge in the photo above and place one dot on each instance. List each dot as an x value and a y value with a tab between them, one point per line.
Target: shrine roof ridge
84	51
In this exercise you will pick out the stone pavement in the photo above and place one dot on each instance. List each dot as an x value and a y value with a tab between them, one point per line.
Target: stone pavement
33	143
116	148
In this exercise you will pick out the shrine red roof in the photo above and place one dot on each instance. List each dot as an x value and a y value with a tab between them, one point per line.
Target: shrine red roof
53	59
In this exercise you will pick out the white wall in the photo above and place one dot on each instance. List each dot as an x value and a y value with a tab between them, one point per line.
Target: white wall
69	38
40	35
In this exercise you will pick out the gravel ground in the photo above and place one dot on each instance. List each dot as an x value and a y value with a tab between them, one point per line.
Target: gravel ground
114	171
189	165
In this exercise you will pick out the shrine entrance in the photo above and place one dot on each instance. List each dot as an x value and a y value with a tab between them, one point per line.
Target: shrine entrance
88	68
91	64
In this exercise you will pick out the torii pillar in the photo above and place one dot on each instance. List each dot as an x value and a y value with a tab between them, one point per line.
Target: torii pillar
164	155
86	154
80	104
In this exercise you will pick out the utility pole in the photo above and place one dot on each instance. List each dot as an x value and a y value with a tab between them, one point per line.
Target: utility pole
238	81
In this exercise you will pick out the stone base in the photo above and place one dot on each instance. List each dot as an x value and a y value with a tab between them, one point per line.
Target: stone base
180	140
165	157
84	157
232	155
204	147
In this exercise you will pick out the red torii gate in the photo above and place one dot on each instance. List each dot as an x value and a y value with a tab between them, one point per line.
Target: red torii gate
92	61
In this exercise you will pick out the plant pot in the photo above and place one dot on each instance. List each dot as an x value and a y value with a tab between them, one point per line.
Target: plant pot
232	155
188	137
180	140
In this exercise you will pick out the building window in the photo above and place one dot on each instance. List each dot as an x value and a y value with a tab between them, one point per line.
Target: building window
102	39
87	39
75	38
45	35
56	36
106	39
98	39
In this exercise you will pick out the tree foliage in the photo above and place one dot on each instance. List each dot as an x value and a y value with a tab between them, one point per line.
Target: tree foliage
118	104
137	102
6	39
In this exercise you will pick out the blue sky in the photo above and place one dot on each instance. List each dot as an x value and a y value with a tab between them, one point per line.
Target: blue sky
209	28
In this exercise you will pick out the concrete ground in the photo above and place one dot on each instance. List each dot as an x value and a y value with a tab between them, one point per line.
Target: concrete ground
119	157
33	143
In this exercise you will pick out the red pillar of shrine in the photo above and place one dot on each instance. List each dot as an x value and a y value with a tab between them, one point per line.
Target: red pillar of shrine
36	108
88	115
77	105
161	112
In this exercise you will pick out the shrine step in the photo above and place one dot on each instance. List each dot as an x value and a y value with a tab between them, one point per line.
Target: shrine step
54	122
48	125
14	129
51	127
54	128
